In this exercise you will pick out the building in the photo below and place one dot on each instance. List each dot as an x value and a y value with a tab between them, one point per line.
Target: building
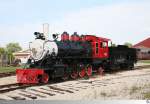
22	55
143	49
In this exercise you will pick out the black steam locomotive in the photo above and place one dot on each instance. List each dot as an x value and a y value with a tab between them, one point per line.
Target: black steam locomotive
73	56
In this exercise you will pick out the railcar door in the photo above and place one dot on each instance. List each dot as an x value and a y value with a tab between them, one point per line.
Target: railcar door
95	49
103	49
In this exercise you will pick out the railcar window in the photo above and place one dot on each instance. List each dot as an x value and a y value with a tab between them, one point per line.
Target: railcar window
96	48
109	43
103	44
138	49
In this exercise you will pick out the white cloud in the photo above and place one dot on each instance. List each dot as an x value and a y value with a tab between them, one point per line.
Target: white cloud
120	22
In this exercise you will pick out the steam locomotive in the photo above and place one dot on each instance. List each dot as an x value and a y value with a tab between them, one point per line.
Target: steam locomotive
73	56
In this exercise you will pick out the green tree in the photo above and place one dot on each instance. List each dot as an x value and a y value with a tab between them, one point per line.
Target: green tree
113	45
11	48
2	51
128	44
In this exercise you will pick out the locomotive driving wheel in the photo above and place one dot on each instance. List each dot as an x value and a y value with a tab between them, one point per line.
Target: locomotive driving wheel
89	70
44	78
74	74
100	71
82	73
66	76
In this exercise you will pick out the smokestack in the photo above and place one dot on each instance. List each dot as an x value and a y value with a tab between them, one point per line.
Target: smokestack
46	30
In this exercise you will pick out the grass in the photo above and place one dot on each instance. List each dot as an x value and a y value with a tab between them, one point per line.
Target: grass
134	89
145	61
147	95
8	69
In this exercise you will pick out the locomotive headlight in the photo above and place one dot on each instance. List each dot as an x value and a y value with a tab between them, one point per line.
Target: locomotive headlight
39	48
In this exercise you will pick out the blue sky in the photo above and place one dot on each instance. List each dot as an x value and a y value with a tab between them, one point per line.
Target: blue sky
119	20
22	11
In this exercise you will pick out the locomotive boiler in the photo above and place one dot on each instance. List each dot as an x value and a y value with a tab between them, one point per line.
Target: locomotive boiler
73	56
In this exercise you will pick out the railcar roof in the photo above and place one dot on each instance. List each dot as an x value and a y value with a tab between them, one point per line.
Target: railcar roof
101	38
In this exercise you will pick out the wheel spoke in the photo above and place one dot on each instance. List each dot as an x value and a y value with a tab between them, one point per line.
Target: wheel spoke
74	74
89	71
82	73
100	71
65	77
45	78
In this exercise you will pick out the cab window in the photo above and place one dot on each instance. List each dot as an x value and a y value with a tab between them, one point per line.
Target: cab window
96	48
103	44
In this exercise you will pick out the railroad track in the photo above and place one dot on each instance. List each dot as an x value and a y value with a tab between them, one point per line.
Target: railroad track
6	74
135	68
15	86
143	66
50	90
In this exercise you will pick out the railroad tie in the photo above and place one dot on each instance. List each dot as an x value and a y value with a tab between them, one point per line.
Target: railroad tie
82	87
17	97
34	94
60	89
43	92
70	87
28	95
2	99
53	90
73	89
